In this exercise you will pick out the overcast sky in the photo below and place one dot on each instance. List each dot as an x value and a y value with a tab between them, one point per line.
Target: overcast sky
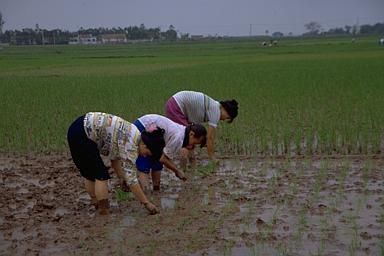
221	17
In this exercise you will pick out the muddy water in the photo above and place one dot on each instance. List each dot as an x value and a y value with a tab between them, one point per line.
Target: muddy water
318	211
246	207
168	201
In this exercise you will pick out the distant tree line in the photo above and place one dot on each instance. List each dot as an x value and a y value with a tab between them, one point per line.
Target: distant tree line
29	36
314	28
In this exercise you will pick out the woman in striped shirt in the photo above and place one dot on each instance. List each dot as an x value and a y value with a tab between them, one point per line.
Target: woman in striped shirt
187	107
99	133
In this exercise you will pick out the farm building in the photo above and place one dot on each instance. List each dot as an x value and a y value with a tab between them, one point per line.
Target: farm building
83	39
113	38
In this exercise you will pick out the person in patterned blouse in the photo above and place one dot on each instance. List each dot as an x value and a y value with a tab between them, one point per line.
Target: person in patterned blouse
96	134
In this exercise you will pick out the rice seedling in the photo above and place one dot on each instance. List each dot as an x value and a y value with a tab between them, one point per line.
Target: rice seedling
122	196
320	178
341	177
300	114
301	223
205	170
355	242
300	99
267	231
367	169
227	249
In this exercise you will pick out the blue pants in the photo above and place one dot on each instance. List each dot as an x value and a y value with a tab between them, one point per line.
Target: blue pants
146	164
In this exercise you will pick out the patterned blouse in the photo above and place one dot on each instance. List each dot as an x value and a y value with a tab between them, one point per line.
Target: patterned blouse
115	138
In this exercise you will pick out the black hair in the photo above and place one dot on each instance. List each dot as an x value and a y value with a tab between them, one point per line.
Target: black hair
199	131
154	141
231	106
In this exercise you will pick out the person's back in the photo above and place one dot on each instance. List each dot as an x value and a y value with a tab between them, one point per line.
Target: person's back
111	134
188	107
198	107
173	133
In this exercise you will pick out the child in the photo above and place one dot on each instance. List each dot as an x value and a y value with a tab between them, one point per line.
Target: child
99	133
187	107
178	139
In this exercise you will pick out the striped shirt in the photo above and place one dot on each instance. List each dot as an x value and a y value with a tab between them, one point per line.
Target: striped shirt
198	107
173	135
115	138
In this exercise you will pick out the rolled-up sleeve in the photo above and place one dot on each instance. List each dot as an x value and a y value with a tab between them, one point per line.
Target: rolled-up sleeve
128	153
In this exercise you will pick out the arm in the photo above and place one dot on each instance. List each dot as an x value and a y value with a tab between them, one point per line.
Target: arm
210	141
170	165
130	178
184	152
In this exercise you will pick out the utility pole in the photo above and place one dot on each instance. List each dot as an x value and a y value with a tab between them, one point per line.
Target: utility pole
250	29
42	37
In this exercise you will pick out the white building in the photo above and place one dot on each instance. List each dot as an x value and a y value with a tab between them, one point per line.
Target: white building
113	38
83	39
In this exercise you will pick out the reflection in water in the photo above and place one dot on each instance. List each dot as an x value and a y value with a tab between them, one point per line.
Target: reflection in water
128	221
60	211
4	245
261	249
18	234
169	201
205	199
116	233
270	174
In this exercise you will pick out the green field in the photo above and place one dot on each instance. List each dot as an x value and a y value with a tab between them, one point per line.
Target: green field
303	97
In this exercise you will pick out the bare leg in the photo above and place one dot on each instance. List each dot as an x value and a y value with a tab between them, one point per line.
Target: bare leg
156	178
101	192
90	188
144	181
101	189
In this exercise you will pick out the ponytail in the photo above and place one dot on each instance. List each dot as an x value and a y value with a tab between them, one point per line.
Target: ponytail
232	107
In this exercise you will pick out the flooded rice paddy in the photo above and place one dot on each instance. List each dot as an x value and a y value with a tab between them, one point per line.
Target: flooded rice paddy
249	206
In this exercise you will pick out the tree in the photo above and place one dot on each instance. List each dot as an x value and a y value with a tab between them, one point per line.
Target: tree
348	29
171	33
336	31
277	34
2	22
313	27
378	28
153	33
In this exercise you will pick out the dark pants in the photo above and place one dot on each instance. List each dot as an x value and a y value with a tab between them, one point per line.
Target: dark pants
85	153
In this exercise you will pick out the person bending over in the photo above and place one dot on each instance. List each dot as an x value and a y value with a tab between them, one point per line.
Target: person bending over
187	107
178	139
95	134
